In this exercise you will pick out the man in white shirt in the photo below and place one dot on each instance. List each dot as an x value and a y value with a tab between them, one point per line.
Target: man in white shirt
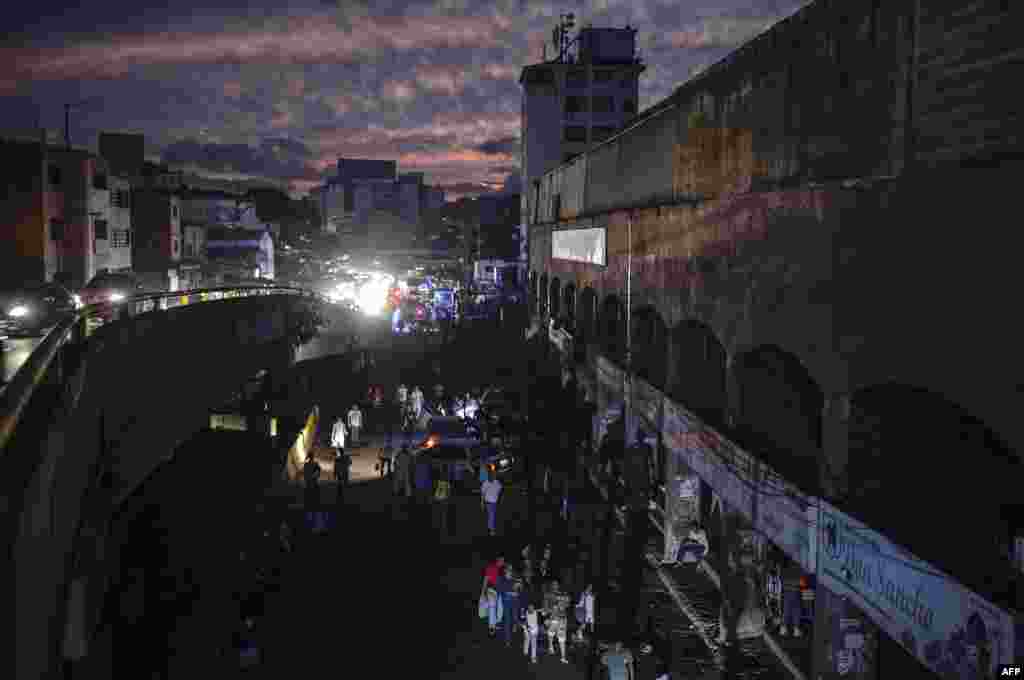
490	493
355	423
338	434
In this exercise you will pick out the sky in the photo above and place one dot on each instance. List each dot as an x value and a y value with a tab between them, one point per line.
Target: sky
253	89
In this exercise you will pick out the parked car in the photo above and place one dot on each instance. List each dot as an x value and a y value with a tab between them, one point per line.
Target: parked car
34	309
112	289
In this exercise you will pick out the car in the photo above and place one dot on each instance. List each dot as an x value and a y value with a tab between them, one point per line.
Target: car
112	289
467	460
34	309
449	430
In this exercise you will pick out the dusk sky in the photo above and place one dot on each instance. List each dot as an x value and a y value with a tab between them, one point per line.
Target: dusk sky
254	89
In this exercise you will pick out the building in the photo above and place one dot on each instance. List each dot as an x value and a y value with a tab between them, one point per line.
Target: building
56	199
771	300
113	225
31	213
373	206
240	253
588	91
156	246
125	154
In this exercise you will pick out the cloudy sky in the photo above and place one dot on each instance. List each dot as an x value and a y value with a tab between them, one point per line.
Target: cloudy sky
252	89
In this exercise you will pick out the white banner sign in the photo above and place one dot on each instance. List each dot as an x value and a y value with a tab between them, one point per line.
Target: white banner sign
950	629
579	245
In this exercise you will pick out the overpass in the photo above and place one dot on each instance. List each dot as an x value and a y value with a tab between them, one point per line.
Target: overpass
94	410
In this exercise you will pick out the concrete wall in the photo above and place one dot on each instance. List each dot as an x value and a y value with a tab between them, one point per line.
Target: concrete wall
141	393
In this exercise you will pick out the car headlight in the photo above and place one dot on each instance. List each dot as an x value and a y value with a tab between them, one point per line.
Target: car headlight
116	297
77	299
18	311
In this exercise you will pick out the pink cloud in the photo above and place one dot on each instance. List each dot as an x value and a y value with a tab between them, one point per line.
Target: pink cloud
450	80
315	39
452	128
339	103
398	90
281	119
500	72
232	89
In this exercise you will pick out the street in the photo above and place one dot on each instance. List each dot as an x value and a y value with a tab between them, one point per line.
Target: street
15	352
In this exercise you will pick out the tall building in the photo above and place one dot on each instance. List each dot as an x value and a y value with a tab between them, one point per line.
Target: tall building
125	153
579	98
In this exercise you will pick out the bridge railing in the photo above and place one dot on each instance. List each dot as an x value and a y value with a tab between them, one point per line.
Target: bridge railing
48	362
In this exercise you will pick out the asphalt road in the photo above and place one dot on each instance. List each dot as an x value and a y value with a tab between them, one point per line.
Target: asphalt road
15	352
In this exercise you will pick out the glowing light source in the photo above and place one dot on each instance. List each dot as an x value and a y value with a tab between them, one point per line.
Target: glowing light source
116	297
18	311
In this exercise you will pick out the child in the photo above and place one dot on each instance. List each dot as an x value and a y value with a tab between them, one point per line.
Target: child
531	632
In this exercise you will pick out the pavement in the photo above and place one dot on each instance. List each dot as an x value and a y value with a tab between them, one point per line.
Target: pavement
388	591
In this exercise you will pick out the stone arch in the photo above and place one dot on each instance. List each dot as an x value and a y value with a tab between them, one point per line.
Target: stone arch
612	328
778	413
542	299
904	439
650	345
555	297
569	304
586	312
533	292
698	380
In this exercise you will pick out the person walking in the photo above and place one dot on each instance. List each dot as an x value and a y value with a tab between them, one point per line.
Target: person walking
490	494
442	497
422	478
619	662
556	611
402	463
342	473
416	400
339	434
311	477
510	590
585	613
355	424
531	632
401	395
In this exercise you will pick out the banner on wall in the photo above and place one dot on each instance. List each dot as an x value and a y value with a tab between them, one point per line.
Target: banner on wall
950	629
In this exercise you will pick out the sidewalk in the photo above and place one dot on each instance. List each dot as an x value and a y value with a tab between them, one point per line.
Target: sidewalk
696	594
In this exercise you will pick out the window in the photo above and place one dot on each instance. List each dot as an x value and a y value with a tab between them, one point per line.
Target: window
101	230
575	133
174	246
119	238
55	175
189	249
56	230
575	104
174	211
604	76
99	181
604	105
602	133
577	77
629	106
